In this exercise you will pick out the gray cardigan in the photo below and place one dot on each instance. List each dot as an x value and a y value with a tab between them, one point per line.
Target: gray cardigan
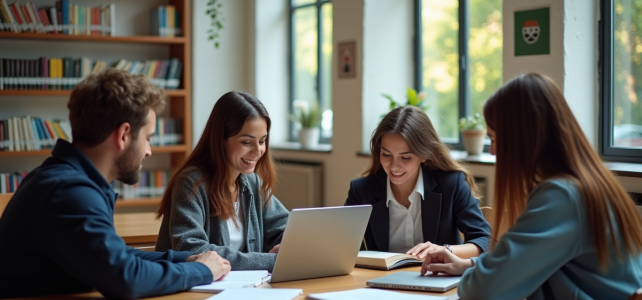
189	226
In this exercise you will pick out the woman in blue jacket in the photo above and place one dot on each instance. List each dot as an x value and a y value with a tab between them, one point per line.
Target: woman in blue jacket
574	231
421	198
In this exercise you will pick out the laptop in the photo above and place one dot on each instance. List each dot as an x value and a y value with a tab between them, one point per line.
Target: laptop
414	281
320	242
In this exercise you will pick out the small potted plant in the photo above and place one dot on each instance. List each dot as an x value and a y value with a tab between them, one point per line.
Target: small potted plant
308	118
413	98
473	130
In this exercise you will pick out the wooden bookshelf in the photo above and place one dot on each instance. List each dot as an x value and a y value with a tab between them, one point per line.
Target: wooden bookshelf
179	101
66	93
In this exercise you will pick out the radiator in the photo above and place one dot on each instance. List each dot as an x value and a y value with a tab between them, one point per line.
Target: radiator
300	184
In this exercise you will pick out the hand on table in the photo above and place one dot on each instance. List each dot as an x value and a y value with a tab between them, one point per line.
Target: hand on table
275	249
422	249
219	266
442	261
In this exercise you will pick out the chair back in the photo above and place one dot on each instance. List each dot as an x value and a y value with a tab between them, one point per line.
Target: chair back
637	295
4	200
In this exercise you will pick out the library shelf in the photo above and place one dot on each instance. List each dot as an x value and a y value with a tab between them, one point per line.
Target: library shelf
155	149
66	93
134	202
136	39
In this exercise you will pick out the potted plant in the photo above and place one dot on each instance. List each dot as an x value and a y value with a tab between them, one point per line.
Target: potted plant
308	118
413	98
473	130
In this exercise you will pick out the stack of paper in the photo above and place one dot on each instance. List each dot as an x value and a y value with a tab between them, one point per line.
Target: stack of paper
235	279
252	294
371	294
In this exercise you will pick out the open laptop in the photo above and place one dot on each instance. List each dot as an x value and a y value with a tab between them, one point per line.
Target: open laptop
320	242
414	281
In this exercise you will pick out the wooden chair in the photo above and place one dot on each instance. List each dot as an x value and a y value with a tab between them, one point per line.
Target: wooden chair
4	200
637	295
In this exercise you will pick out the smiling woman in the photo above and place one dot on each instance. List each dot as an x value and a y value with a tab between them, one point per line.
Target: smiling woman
221	197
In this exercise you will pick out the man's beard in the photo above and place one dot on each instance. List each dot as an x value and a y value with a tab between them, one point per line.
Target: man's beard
128	166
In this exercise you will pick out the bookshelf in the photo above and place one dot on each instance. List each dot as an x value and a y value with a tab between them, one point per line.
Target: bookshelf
134	43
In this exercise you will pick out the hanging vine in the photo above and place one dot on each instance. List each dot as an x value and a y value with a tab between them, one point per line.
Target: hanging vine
216	21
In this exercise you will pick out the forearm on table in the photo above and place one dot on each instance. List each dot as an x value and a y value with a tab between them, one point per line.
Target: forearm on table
466	250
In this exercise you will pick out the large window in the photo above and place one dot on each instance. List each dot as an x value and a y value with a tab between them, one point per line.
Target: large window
311	58
621	77
460	58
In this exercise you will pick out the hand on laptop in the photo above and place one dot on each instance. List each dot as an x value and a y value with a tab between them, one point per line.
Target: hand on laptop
275	249
422	249
219	266
443	261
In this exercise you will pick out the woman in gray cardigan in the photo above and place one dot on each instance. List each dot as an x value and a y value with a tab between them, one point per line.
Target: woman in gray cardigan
221	197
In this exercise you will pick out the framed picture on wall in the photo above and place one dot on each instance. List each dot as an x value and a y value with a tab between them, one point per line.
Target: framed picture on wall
347	59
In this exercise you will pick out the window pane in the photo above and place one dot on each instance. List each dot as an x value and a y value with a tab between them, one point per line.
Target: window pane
627	74
440	65
302	2
326	70
305	54
484	50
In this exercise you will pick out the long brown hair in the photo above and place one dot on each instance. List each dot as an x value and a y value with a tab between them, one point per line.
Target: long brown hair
415	127
226	120
537	138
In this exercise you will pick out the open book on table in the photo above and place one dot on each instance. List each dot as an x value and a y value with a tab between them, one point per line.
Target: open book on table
235	279
385	260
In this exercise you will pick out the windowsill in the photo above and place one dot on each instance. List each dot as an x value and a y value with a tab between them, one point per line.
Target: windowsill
619	168
294	146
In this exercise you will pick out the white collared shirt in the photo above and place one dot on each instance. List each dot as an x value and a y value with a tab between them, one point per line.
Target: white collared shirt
237	238
405	223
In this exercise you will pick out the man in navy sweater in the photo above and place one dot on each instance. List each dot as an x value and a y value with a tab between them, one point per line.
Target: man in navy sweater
57	233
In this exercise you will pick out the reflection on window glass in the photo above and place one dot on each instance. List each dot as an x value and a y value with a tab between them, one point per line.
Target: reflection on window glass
627	74
326	70
484	50
440	65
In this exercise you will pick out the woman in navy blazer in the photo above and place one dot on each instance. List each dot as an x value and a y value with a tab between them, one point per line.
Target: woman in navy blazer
421	198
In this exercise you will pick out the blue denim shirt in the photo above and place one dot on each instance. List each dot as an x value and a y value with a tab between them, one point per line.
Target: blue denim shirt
549	254
57	236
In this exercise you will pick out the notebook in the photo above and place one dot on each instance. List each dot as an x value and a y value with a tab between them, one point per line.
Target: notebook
235	279
385	260
263	294
371	294
414	281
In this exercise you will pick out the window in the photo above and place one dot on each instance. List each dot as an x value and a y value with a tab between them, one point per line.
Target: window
459	61
620	135
310	59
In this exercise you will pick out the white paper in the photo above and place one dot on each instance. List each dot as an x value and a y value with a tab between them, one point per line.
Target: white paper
371	294
261	293
235	279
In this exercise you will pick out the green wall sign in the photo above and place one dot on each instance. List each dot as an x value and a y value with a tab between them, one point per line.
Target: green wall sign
533	32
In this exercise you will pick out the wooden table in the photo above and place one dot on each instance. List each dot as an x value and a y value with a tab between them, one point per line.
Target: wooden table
137	229
356	279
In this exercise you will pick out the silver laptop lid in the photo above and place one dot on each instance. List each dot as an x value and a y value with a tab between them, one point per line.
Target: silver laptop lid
414	281
320	242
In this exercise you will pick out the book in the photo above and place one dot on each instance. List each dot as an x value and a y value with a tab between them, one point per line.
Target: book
270	294
385	260
235	279
372	294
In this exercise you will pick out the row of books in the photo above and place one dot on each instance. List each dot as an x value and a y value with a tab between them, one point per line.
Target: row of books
63	18
151	184
9	181
168	132
165	21
32	134
64	73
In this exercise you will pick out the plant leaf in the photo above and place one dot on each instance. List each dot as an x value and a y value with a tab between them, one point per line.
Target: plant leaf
412	96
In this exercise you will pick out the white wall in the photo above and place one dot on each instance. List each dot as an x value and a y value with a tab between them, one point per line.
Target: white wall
228	68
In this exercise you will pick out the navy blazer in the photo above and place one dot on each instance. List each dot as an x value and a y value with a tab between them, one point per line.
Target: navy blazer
448	207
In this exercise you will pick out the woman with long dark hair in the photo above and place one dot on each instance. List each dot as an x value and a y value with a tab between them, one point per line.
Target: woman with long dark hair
421	198
221	198
574	232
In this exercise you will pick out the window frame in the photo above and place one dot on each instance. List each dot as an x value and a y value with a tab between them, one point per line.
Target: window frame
319	80
605	74
464	104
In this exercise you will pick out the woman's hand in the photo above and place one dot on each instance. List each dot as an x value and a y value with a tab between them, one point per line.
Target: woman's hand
421	250
275	249
442	261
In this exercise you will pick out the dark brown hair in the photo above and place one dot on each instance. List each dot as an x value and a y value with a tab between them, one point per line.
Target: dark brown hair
538	138
228	116
104	101
415	127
